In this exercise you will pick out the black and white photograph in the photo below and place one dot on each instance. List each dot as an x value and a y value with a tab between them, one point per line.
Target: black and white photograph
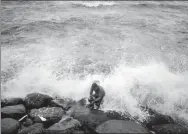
94	67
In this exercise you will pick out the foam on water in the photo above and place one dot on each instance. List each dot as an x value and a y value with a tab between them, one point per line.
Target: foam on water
95	3
41	60
126	87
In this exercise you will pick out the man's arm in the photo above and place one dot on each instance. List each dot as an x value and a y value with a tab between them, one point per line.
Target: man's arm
101	95
91	91
99	98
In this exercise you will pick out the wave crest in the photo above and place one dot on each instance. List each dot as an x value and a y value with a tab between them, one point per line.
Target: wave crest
127	88
94	3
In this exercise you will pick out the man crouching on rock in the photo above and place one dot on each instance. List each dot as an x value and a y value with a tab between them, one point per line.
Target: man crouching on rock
97	98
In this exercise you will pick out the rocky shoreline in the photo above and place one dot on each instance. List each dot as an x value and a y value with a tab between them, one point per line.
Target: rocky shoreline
41	114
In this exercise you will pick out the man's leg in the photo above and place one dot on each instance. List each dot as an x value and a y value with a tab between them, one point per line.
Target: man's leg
98	103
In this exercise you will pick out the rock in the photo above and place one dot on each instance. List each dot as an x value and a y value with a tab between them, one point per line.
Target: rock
37	128
28	122
64	103
78	132
169	129
66	125
37	100
156	118
16	111
11	102
87	130
9	126
88	118
47	115
82	102
181	122
114	115
120	126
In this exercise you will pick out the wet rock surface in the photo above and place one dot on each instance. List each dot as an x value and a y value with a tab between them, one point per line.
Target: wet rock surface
120	126
82	102
64	103
28	122
41	114
117	115
37	128
9	126
156	118
37	100
66	125
16	111
169	129
47	115
11	102
89	118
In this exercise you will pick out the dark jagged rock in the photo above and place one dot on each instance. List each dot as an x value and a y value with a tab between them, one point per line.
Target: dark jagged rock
156	118
113	115
37	100
15	112
9	126
28	122
120	126
90	119
78	132
64	103
11	102
37	128
47	115
169	129
67	125
181	122
82	102
88	130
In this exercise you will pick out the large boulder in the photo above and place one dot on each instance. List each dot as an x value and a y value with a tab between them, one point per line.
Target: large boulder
83	102
115	115
169	129
181	121
47	115
64	103
37	128
66	125
88	118
28	122
9	126
11	101
16	111
121	126
156	118
37	100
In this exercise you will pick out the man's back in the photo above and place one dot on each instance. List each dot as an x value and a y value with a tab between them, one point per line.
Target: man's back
101	91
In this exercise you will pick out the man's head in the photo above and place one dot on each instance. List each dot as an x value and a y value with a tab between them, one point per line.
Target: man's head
94	86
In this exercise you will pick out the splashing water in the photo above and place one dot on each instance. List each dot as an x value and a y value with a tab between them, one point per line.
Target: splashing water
65	48
95	3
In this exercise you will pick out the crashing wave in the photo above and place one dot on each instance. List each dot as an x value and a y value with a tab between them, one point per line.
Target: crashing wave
94	4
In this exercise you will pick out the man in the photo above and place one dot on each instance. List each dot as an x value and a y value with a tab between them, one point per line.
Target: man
97	98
